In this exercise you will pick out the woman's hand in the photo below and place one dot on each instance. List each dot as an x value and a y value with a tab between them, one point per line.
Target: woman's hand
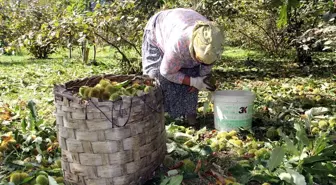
186	80
192	89
198	82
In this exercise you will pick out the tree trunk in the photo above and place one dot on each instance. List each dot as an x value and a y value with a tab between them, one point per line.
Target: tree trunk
85	52
94	53
86	55
70	48
304	58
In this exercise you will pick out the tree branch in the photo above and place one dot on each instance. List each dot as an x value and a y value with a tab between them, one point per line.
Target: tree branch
251	38
116	47
262	28
127	41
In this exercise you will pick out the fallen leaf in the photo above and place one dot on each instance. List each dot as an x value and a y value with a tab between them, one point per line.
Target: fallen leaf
7	138
220	180
5	114
198	166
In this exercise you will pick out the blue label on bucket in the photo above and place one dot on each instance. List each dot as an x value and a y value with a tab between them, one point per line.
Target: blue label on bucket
233	124
233	116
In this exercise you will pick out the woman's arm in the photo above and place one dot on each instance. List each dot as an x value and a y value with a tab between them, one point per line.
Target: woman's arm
172	62
170	68
205	70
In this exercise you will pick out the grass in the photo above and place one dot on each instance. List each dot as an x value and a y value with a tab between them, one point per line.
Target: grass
236	53
25	78
282	88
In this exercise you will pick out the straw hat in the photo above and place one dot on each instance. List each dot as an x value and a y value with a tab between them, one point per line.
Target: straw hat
206	43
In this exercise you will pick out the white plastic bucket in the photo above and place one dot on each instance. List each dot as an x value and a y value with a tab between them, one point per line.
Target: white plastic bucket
233	109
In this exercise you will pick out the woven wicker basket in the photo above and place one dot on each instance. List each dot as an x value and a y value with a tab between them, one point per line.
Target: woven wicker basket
118	142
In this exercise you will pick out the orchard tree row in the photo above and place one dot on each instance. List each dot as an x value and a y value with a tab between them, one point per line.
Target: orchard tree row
273	26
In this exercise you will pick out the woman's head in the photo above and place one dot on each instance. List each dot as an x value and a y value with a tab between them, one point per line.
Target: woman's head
206	43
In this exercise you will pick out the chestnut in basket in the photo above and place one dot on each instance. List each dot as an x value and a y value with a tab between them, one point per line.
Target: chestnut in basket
111	90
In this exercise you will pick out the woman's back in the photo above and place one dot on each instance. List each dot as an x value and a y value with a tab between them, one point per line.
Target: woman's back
174	24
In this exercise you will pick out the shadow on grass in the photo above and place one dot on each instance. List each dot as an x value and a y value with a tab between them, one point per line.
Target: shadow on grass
258	69
26	60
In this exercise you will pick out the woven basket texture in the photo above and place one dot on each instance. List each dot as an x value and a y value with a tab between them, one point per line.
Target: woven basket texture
118	142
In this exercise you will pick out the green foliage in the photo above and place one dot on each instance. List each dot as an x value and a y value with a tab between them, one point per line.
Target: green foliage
283	18
174	180
5	32
298	17
45	27
119	24
251	24
75	28
35	29
321	38
267	25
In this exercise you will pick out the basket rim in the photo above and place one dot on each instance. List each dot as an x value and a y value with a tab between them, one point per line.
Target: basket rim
68	88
